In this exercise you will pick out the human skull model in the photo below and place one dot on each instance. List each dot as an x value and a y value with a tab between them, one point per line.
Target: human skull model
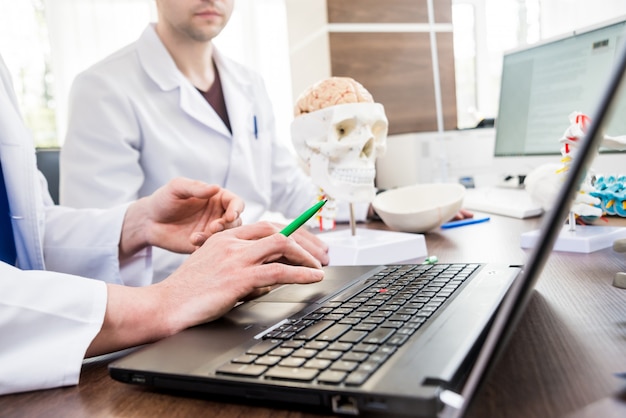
338	133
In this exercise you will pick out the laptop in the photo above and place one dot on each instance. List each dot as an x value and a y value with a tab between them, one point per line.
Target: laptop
395	340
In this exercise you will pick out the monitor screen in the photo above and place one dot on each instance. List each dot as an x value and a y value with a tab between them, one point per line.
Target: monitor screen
543	84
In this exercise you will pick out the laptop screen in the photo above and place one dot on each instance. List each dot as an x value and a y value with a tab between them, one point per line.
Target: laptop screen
543	84
611	95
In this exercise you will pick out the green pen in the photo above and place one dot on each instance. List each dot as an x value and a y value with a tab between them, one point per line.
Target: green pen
300	220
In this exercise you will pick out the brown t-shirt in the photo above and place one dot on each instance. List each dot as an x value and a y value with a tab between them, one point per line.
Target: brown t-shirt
215	96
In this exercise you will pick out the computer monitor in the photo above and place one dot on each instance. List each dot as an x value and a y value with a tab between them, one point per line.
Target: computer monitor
543	84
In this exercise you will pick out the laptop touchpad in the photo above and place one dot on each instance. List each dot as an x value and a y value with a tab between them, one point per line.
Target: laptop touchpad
288	300
336	279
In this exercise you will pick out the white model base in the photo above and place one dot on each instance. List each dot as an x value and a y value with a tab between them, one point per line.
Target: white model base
370	247
584	239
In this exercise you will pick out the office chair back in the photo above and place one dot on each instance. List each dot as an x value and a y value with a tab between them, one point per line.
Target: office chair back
48	164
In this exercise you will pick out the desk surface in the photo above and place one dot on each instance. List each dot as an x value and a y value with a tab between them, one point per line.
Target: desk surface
560	361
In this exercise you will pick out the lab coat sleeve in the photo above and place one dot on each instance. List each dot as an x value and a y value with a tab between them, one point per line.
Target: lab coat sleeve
100	159
47	321
85	242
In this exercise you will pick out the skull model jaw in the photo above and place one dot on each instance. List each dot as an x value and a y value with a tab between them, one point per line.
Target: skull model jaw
339	145
356	185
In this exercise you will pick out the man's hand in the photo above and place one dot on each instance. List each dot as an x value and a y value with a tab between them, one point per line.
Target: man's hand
462	214
229	267
235	265
179	217
311	243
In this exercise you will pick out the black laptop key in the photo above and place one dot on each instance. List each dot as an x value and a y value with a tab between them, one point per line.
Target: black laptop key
357	378
364	327
334	317
318	363
353	356
406	311
398	339
245	359
344	365
400	317
316	345
313	330
353	336
281	351
292	344
263	347
249	370
292	362
333	332
267	360
331	377
330	354
299	374
305	353
379	336
349	321
365	348
392	324
374	320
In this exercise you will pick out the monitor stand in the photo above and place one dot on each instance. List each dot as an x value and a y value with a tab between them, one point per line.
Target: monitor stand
372	246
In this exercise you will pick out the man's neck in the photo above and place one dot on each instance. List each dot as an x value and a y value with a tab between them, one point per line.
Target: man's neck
193	59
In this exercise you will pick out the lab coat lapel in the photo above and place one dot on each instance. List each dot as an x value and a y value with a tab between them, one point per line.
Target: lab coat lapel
240	103
23	188
196	106
239	98
161	68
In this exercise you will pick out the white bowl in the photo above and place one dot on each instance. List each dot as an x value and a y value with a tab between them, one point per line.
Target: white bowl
420	207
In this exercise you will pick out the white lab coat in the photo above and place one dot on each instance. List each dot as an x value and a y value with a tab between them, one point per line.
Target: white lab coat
136	122
49	318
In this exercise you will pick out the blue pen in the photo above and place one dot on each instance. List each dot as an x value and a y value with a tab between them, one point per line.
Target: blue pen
462	222
256	128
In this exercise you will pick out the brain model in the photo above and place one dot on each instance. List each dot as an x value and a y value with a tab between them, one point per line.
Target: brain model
329	92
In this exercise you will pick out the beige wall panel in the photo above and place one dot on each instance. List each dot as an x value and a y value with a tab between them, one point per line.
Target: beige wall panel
305	17
309	52
309	64
397	69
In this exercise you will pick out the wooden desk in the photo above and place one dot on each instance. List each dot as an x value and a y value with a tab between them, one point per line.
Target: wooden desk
561	359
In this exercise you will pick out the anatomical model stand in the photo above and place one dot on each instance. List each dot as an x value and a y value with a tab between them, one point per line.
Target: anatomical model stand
587	238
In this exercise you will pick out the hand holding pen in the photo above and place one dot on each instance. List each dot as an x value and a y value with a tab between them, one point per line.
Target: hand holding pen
306	239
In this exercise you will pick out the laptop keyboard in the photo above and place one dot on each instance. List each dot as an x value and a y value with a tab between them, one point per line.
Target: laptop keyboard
347	339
